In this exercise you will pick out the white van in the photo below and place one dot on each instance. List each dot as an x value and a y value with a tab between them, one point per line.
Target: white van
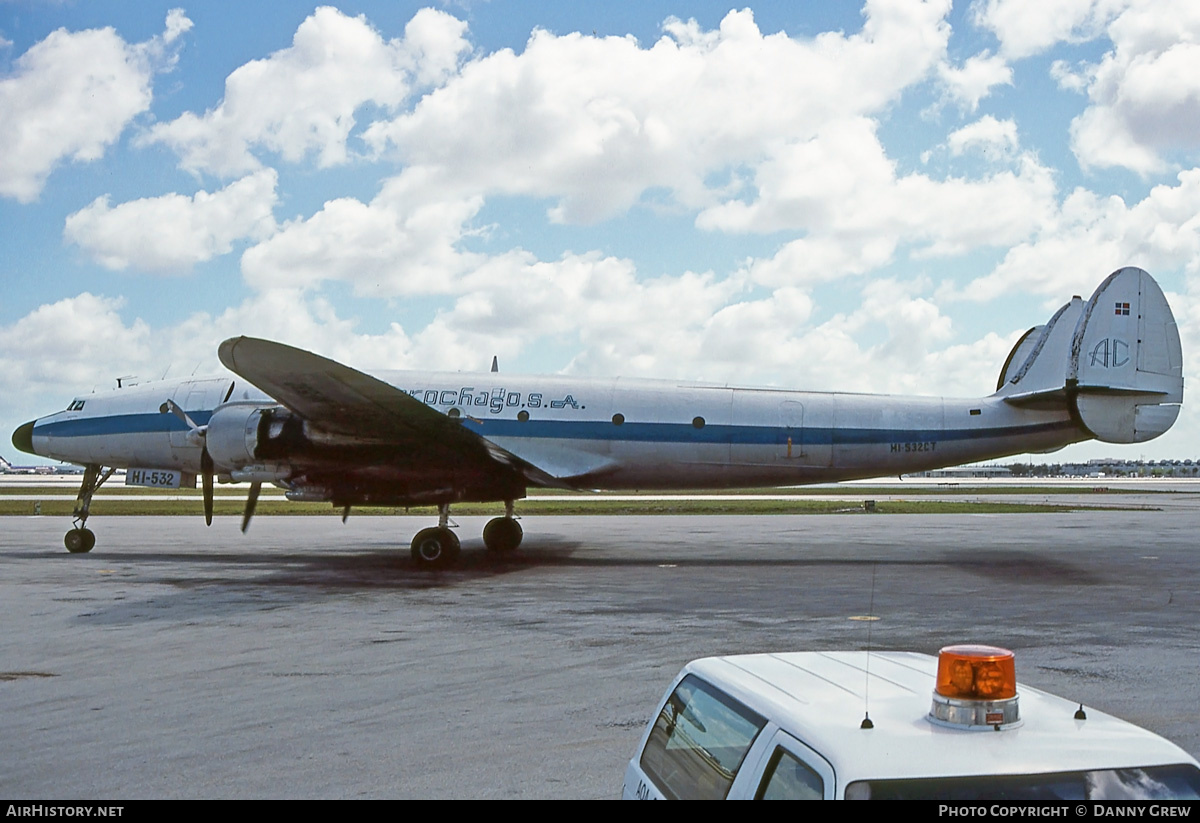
858	725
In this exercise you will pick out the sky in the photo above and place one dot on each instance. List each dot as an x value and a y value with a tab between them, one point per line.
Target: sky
822	195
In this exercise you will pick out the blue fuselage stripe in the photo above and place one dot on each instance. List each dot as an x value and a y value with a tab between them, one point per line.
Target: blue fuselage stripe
118	424
600	430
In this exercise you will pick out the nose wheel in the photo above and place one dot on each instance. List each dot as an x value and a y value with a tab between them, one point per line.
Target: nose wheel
79	540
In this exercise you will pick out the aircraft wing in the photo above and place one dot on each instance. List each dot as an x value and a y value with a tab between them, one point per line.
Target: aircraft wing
338	399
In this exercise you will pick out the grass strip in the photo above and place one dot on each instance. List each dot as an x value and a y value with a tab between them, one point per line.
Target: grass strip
100	507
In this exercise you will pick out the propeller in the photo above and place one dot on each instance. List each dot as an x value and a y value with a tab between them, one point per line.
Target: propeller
251	503
206	468
197	434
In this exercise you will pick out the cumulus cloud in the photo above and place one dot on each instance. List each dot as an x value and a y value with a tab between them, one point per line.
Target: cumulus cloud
845	193
172	232
1144	94
70	97
303	99
595	122
68	343
83	343
1091	235
987	135
618	322
395	245
1028	27
973	81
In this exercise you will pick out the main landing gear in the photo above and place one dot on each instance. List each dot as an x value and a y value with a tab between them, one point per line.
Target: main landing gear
502	535
438	548
81	539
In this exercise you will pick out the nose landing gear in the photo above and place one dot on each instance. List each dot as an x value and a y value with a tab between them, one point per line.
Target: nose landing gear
81	539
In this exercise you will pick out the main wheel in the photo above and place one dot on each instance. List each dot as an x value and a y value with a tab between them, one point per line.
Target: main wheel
435	548
79	541
502	535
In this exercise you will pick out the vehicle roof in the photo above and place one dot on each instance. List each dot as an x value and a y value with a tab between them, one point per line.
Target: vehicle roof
820	698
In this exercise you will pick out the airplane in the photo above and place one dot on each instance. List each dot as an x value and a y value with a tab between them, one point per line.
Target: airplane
1109	368
9	468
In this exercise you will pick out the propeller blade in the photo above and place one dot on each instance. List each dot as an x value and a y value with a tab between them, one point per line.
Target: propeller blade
174	409
251	503
206	468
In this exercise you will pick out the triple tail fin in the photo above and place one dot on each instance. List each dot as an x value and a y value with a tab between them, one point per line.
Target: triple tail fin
1115	361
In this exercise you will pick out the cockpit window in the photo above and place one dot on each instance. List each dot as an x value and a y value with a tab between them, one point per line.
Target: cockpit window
76	405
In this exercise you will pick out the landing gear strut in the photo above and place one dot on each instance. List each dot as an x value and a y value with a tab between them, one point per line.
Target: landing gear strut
437	547
502	535
81	539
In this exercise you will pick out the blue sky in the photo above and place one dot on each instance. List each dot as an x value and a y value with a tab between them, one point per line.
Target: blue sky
821	195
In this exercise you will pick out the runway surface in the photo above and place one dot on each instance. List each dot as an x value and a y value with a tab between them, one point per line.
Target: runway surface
311	659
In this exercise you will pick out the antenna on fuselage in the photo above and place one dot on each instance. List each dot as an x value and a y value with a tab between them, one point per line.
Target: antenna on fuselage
495	364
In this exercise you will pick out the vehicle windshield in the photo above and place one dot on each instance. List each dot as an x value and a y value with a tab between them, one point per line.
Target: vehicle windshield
1181	782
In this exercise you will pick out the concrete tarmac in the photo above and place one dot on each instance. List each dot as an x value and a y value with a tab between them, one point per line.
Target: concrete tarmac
312	659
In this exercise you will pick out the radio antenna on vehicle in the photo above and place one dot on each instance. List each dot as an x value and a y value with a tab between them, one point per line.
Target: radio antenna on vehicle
866	722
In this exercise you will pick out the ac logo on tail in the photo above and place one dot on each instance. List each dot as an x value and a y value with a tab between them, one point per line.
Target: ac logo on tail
1110	353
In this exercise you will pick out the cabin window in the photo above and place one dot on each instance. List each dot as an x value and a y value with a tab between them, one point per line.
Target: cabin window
522	416
618	419
453	413
698	422
976	411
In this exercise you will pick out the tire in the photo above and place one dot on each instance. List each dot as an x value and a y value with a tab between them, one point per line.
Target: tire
79	541
502	535
435	548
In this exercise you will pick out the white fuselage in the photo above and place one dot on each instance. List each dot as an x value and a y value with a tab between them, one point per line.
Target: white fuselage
610	433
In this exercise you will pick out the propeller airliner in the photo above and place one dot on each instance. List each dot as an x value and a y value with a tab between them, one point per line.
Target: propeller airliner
1109	368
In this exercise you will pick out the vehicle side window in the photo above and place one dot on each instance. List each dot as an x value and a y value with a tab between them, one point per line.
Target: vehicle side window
788	778
699	741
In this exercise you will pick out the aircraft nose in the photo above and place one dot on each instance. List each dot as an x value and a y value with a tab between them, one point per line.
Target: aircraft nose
23	437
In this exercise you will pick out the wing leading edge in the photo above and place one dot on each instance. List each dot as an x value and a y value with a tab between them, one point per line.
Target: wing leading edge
340	400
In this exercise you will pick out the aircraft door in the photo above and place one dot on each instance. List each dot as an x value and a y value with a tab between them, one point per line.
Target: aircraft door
801	441
198	398
791	418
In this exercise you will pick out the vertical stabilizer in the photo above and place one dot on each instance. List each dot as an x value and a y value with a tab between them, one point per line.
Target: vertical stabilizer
1126	363
1038	362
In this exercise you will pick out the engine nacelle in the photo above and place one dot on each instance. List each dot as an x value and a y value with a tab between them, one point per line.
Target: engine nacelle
241	437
